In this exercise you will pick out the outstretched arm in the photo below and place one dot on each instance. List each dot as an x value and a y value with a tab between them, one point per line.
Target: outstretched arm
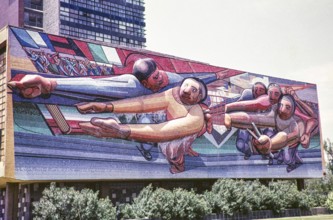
244	120
149	103
192	123
118	87
308	115
31	86
303	107
261	103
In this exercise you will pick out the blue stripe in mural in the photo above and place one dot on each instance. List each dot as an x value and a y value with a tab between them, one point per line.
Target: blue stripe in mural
24	38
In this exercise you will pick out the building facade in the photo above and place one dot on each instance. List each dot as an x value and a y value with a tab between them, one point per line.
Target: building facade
113	21
43	139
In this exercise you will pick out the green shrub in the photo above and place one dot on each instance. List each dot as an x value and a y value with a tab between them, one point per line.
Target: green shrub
166	204
230	196
237	196
189	205
67	203
138	208
318	189
329	201
161	204
284	195
258	195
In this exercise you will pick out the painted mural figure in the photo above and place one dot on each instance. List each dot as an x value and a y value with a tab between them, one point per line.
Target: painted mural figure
53	63
259	102
39	60
263	102
243	136
306	119
283	119
185	120
307	122
146	79
71	97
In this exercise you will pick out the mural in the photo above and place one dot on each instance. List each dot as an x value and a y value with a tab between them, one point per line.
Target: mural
87	111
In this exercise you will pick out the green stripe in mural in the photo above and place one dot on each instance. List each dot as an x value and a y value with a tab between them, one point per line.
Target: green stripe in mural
98	53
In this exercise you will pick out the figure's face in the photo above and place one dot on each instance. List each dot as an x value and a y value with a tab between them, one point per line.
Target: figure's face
190	92
274	94
258	90
285	110
56	59
156	81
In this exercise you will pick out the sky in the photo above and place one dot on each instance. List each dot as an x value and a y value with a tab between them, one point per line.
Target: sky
291	39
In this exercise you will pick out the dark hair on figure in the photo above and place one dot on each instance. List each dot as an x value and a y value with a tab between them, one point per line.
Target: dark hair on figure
143	68
259	83
291	100
203	87
275	85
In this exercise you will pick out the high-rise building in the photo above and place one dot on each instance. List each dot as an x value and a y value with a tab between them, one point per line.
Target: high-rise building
112	21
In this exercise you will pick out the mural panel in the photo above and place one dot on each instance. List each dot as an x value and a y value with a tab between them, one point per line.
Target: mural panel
87	111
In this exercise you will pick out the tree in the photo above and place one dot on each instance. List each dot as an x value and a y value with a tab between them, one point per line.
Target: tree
166	204
328	146
318	189
230	196
284	195
329	201
189	205
68	203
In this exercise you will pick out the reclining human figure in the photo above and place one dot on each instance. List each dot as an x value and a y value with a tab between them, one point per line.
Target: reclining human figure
185	120
146	79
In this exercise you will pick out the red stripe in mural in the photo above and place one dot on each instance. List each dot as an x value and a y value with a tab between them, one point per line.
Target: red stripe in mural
65	50
182	66
58	39
85	49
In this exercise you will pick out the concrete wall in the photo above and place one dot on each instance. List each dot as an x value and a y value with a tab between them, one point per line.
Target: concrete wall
51	21
11	13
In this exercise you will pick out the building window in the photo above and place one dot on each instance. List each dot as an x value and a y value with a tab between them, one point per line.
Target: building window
34	4
32	18
2	99
104	17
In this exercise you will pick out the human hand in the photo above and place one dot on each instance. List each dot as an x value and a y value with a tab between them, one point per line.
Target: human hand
94	107
305	140
289	90
208	126
263	144
105	127
31	86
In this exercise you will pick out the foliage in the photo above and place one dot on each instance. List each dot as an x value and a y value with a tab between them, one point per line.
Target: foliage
258	195
318	189
284	195
230	196
68	203
138	209
328	146
166	204
226	196
189	205
329	201
161	204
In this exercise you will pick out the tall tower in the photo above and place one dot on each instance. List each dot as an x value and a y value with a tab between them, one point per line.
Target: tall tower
112	21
